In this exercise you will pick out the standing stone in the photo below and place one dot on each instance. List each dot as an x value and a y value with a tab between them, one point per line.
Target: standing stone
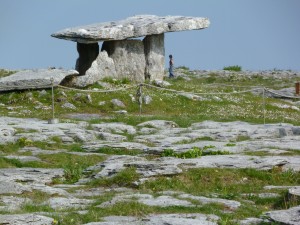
129	58
87	54
155	56
102	67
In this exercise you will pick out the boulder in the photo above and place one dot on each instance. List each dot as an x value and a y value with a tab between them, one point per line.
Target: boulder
34	79
132	27
118	103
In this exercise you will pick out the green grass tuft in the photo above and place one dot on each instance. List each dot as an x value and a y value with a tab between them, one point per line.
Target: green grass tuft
235	68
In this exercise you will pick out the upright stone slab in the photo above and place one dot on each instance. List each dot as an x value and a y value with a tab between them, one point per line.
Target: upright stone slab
155	56
129	58
87	54
102	67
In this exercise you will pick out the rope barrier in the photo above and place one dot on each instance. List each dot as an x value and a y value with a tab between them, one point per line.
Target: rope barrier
195	93
97	91
231	85
140	92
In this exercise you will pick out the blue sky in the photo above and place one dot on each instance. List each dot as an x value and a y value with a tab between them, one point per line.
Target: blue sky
255	34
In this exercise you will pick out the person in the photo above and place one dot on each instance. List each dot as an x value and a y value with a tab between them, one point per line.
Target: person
171	65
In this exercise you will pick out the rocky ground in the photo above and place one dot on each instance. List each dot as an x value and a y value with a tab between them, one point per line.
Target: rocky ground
278	142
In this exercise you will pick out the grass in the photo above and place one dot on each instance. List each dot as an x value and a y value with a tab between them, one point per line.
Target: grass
125	178
114	151
235	68
245	107
195	152
5	73
228	183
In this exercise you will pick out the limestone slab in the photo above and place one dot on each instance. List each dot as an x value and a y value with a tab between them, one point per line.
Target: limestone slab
132	27
21	219
290	216
34	79
160	219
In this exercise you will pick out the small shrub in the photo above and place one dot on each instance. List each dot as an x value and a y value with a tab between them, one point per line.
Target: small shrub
235	68
183	68
5	73
72	173
230	144
168	153
23	141
124	178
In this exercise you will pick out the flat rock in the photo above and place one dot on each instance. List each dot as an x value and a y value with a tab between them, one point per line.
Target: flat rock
173	166
160	219
160	201
119	128
295	191
12	203
23	158
60	203
204	200
83	116
253	221
94	146
132	27
34	79
21	219
159	124
11	187
290	216
30	175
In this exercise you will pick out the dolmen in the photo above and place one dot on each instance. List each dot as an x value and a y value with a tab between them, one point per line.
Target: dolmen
132	48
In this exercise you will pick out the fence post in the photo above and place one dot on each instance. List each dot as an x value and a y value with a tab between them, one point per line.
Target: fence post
297	88
52	120
264	105
141	97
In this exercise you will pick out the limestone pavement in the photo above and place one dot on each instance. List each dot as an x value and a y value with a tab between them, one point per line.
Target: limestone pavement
151	137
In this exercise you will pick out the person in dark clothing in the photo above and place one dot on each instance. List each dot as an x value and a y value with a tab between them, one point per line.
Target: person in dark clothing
171	65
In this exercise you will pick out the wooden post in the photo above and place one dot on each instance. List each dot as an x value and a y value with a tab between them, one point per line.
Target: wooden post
52	120
297	88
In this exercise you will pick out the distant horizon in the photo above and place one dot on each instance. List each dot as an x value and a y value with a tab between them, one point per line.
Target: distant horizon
256	35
